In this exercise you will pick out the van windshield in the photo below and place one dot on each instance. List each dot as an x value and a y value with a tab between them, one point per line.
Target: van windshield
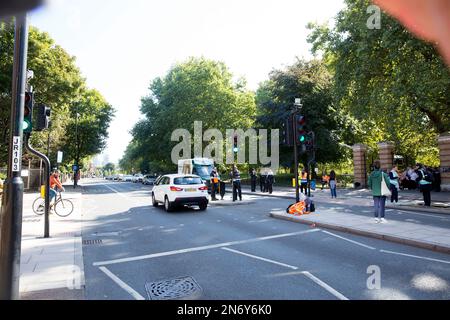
202	171
187	180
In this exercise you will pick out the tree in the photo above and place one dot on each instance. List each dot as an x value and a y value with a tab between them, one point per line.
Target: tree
310	81
195	90
58	84
396	86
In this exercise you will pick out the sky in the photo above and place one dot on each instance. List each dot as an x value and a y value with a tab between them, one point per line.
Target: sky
121	46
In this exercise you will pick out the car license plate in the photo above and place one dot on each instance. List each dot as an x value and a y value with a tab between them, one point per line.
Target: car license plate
190	189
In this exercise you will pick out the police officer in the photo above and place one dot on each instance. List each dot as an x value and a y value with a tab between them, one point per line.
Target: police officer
236	181
269	181
214	178
253	179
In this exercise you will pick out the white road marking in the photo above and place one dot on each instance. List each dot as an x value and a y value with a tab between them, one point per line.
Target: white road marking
261	258
413	256
352	241
325	286
119	193
122	284
212	246
259	221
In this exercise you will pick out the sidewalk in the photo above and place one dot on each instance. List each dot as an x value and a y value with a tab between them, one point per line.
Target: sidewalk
408	200
409	233
52	268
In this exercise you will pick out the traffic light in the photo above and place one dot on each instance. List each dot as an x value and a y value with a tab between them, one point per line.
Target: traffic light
28	113
235	144
43	117
300	125
286	132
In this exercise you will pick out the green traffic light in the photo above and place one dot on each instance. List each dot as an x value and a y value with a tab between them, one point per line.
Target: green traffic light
302	138
26	126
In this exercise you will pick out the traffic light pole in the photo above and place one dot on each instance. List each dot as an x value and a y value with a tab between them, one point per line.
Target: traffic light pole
11	214
297	187
47	183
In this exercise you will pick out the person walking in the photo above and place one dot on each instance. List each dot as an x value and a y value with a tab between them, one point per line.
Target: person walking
214	181
269	181
425	183
376	179
394	184
333	184
236	181
253	179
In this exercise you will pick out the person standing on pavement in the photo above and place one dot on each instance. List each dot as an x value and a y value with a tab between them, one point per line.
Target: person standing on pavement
425	185
304	182
333	184
236	181
394	183
269	181
222	185
325	179
214	180
379	200
262	181
253	179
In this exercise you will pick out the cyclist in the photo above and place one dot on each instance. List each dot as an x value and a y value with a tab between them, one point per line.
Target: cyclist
55	185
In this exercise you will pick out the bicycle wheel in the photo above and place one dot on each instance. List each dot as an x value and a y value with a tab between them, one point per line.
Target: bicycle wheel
39	206
63	207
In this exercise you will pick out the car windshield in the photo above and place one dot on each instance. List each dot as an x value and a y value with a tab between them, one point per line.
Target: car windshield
187	180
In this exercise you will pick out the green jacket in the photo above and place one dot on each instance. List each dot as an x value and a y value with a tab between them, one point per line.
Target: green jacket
375	182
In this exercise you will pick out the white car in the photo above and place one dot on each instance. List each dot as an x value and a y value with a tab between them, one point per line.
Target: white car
174	190
127	178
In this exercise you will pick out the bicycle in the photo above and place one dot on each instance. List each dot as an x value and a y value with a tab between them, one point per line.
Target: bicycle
62	207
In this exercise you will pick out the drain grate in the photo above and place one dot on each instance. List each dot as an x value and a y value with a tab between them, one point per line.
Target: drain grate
178	288
94	241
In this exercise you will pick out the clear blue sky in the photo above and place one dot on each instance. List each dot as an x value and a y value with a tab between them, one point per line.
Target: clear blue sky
122	45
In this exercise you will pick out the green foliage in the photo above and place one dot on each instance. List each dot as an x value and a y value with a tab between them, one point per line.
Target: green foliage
395	86
58	84
312	82
195	90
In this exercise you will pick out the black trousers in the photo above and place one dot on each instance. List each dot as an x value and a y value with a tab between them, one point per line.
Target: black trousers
269	187
214	190
237	190
426	191
253	181
222	189
394	193
303	186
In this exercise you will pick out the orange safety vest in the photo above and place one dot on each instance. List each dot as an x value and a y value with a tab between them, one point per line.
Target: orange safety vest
299	208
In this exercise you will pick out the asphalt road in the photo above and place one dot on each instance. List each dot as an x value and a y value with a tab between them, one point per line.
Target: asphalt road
135	251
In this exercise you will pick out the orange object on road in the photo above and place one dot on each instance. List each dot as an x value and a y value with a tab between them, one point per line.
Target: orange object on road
298	208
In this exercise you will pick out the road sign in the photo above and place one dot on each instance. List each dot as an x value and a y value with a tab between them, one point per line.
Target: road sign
74	167
16	154
59	157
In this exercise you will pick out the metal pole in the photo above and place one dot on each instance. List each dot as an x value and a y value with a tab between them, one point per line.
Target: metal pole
47	183
11	215
75	178
297	188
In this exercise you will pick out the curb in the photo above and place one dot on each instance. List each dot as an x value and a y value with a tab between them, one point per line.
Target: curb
420	209
369	234
229	204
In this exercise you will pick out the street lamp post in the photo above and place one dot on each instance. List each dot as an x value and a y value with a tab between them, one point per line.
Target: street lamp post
297	108
77	157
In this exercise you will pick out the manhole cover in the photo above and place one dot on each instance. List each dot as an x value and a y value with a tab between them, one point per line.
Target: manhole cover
95	241
178	288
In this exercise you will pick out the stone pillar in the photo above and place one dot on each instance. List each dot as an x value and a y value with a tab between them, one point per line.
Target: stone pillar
386	155
444	155
360	165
